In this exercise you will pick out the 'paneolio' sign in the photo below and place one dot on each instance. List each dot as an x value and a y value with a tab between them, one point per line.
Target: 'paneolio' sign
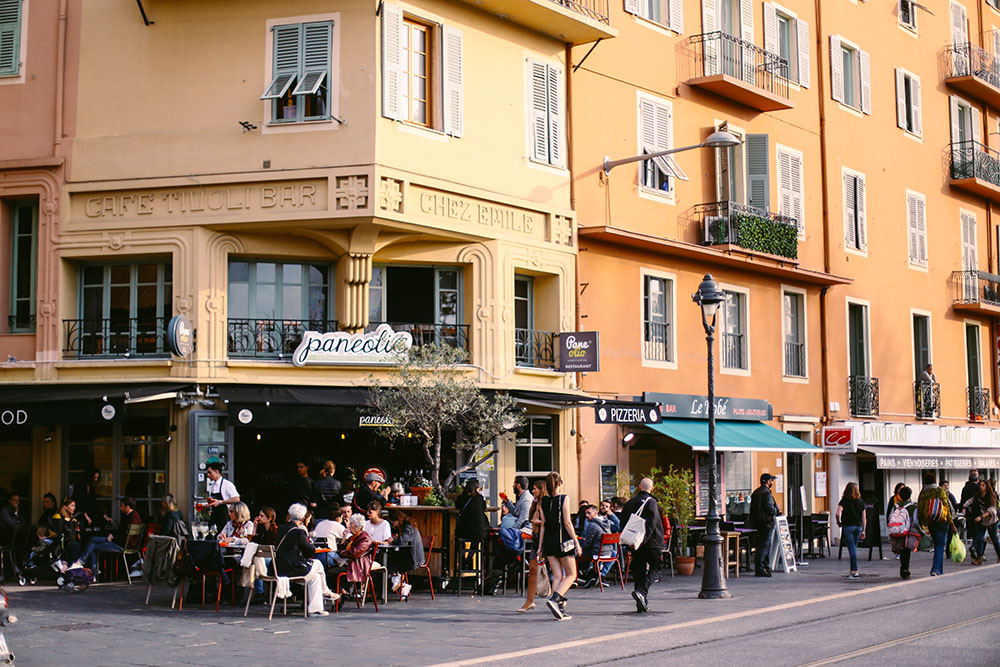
382	346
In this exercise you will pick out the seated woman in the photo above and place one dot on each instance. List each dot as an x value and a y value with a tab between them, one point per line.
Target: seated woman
63	523
171	521
266	528
293	557
377	527
355	555
239	524
407	551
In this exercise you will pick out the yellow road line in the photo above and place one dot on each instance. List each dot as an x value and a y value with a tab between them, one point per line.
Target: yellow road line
703	621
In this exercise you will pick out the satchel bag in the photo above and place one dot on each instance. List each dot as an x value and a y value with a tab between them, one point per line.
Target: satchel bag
634	532
543	586
567	545
989	517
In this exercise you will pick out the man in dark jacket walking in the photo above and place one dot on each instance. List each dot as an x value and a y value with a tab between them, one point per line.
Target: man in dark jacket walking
763	509
970	489
648	557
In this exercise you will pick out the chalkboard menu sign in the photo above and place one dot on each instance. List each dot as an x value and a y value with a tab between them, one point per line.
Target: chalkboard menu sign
701	474
873	529
782	550
609	482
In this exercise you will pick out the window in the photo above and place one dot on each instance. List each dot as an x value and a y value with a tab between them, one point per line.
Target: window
301	72
730	166
545	108
916	216
794	326
790	180
124	308
734	330
665	12
738	474
965	124
657	316
851	75
656	134
857	339
424	300
788	36
535	449
908	101
855	225
260	290
907	14
10	37
921	343
422	70
24	267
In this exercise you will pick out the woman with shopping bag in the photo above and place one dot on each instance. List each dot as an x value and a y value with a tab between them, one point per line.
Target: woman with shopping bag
559	544
980	514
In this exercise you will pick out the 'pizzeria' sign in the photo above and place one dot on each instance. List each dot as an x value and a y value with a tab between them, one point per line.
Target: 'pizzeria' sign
382	346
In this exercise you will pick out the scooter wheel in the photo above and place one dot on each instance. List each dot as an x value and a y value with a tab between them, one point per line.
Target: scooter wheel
33	580
22	581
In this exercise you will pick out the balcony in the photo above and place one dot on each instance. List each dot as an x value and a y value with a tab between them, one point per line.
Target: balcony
109	338
927	400
975	292
534	349
733	355
571	21
732	224
271	339
737	69
795	359
656	341
978	402
454	335
862	395
974	71
975	168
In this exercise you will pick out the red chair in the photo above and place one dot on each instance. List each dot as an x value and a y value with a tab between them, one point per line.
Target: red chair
366	584
608	540
428	543
205	574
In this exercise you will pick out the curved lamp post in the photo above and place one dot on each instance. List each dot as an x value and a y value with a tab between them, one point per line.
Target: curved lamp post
715	140
713	581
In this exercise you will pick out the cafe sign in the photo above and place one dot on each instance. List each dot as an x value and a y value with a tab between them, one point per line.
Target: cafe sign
579	352
381	346
693	406
624	413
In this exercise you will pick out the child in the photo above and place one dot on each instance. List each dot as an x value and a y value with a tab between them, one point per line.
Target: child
44	542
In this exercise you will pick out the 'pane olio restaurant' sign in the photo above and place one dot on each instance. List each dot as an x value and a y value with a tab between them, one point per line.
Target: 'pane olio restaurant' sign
382	346
579	351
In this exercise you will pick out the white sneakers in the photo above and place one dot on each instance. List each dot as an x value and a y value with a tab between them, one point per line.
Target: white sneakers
396	579
405	591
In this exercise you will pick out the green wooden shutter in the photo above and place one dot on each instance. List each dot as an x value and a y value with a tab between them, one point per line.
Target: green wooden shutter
758	172
10	37
286	60
317	45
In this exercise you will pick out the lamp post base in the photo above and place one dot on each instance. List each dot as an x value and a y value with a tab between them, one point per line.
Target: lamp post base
713	583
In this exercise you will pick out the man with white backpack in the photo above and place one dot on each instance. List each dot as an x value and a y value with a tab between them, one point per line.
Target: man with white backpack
643	532
904	533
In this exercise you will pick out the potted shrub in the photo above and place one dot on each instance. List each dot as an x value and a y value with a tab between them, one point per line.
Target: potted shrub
676	487
421	489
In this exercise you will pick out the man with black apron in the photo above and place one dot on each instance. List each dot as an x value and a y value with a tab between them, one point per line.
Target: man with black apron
221	494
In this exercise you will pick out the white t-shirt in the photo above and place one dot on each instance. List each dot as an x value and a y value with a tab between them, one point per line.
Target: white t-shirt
224	487
333	531
379	533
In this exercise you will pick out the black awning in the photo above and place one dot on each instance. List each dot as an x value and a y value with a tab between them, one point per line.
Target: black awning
566	399
21	394
262	394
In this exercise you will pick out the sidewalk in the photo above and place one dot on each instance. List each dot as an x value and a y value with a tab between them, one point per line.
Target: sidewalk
109	624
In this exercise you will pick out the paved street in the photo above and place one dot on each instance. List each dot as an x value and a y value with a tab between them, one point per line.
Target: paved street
796	619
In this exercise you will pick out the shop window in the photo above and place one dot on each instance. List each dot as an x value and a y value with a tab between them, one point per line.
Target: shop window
423	300
301	72
738	473
535	445
24	267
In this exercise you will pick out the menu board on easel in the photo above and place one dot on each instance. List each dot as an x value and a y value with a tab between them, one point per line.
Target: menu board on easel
609	482
782	550
701	472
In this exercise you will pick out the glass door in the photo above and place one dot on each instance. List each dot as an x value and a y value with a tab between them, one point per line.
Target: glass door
211	440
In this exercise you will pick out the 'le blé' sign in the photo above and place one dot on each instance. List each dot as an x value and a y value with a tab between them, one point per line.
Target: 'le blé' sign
579	351
382	346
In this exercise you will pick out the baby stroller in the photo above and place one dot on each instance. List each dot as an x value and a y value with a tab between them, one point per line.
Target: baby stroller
5	618
41	563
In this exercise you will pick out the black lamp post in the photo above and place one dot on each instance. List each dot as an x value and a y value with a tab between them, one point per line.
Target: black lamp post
713	581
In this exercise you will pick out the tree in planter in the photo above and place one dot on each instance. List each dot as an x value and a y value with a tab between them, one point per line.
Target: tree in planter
428	393
675	487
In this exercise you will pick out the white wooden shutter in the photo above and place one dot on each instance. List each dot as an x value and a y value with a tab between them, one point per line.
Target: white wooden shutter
746	20
836	70
900	99
866	82
677	16
770	28
803	46
746	33
632	6
996	42
977	126
970	261
538	91
317	46
451	79
392	61
710	45
956	119
285	66
918	126
862	215
913	232
922	231
798	205
959	25
849	208
758	172
554	86
10	36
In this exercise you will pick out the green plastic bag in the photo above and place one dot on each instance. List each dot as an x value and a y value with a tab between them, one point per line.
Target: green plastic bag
956	549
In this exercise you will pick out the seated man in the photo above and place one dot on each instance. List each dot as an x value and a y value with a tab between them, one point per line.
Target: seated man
114	543
605	511
595	527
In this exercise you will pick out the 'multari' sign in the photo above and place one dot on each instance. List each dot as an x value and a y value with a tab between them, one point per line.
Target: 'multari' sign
382	346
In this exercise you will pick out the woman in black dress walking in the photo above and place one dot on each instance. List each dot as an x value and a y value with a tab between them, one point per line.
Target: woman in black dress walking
559	544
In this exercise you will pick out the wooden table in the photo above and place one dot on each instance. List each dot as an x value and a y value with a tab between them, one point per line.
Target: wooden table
729	538
437	522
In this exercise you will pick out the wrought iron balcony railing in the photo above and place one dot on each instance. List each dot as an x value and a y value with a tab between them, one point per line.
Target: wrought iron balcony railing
733	351
971	159
455	335
125	337
862	394
720	53
271	338
595	9
534	348
795	359
975	287
927	399
748	227
971	60
978	401
656	341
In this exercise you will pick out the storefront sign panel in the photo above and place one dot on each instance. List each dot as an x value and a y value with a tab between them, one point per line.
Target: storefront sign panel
926	435
579	351
380	347
58	413
693	406
885	462
839	440
180	336
626	414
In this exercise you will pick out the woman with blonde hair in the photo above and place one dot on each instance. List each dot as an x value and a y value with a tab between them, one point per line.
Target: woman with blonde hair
559	544
171	520
852	519
239	524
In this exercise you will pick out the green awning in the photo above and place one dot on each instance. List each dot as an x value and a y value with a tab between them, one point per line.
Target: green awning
732	436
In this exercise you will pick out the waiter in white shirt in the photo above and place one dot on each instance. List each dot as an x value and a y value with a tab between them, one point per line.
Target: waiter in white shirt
221	494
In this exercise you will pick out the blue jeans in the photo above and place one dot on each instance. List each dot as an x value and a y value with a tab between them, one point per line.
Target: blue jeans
977	532
851	535
992	530
258	585
939	533
89	555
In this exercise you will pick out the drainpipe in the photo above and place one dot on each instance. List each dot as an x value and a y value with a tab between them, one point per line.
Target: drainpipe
60	79
576	256
824	291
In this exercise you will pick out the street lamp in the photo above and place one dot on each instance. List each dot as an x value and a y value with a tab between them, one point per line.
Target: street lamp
713	581
715	140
